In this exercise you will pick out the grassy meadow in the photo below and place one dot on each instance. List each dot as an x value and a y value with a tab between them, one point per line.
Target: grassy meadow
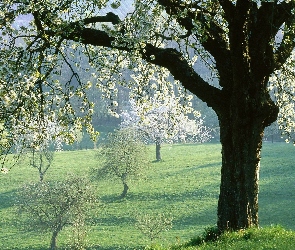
185	185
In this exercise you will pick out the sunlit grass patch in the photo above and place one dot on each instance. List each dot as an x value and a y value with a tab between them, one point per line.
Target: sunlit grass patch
254	238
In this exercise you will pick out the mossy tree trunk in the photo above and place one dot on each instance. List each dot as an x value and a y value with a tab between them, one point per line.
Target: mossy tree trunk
238	199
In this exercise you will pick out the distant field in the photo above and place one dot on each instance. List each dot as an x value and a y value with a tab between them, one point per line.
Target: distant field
185	184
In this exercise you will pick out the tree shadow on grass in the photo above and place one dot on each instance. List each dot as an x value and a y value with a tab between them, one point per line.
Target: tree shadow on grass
7	199
157	161
199	218
202	215
209	165
173	197
146	196
96	247
114	198
114	248
114	220
32	248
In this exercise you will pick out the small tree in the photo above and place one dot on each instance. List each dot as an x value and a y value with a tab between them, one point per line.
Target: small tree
165	121
50	206
124	155
38	142
152	225
41	160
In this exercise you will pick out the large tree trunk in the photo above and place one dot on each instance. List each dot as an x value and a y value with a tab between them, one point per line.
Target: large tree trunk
158	149
238	200
241	132
248	109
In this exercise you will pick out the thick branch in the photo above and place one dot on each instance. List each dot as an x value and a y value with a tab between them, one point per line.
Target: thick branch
228	9
170	59
241	10
191	81
76	31
110	18
215	42
275	15
271	17
284	11
173	60
89	36
217	46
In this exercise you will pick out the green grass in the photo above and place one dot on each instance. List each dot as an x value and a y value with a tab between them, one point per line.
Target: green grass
185	184
267	238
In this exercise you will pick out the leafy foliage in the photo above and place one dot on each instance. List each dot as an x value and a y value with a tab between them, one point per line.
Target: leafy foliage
282	86
30	88
124	156
165	119
152	225
50	206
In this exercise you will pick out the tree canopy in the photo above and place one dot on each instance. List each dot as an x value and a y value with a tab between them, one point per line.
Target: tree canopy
38	40
165	121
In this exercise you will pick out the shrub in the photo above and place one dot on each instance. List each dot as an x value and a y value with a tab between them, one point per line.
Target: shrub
152	225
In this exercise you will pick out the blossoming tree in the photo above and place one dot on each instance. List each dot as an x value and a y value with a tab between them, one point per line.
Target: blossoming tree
38	141
244	43
164	121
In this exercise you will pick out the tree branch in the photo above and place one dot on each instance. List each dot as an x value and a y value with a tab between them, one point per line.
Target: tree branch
170	59
242	7
89	36
228	9
284	16
270	18
109	18
215	42
173	60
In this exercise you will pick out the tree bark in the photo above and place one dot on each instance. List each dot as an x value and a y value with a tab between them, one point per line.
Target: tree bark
53	240
238	199
125	190
241	141
158	149
41	175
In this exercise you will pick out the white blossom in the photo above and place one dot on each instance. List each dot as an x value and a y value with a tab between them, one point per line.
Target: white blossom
164	120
